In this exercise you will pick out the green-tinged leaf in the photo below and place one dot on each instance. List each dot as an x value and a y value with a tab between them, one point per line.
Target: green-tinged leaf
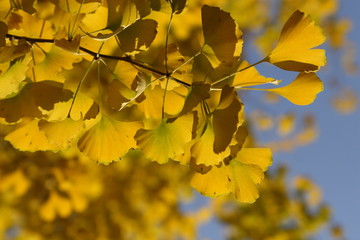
167	140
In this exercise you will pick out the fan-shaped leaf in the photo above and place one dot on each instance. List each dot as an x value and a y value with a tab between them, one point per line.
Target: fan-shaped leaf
138	36
108	140
293	51
219	32
167	140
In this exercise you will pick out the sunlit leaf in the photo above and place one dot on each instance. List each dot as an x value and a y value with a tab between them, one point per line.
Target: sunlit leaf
239	177
62	133
203	147
10	81
29	138
302	91
55	60
108	140
294	50
167	140
249	77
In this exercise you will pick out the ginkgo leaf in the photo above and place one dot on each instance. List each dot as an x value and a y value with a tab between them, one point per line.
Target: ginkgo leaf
32	96
249	77
138	36
177	6
197	93
167	140
219	33
302	91
225	124
240	176
10	81
29	138
108	140
23	23
69	45
55	60
9	53
294	50
75	7
202	149
62	133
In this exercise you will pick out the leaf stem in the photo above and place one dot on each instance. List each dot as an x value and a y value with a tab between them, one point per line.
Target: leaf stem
78	87
238	71
98	55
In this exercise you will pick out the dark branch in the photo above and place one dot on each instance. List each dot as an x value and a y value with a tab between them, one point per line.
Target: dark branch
97	55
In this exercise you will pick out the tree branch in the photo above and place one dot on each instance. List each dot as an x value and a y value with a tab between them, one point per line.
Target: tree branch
99	55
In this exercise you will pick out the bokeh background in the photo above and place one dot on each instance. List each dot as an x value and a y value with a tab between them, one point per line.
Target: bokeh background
332	159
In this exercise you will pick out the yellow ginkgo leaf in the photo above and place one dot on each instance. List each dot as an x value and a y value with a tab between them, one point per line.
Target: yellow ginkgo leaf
219	30
294	50
10	81
29	138
249	77
167	140
138	36
75	7
9	53
202	149
55	60
239	176
61	133
108	140
302	91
